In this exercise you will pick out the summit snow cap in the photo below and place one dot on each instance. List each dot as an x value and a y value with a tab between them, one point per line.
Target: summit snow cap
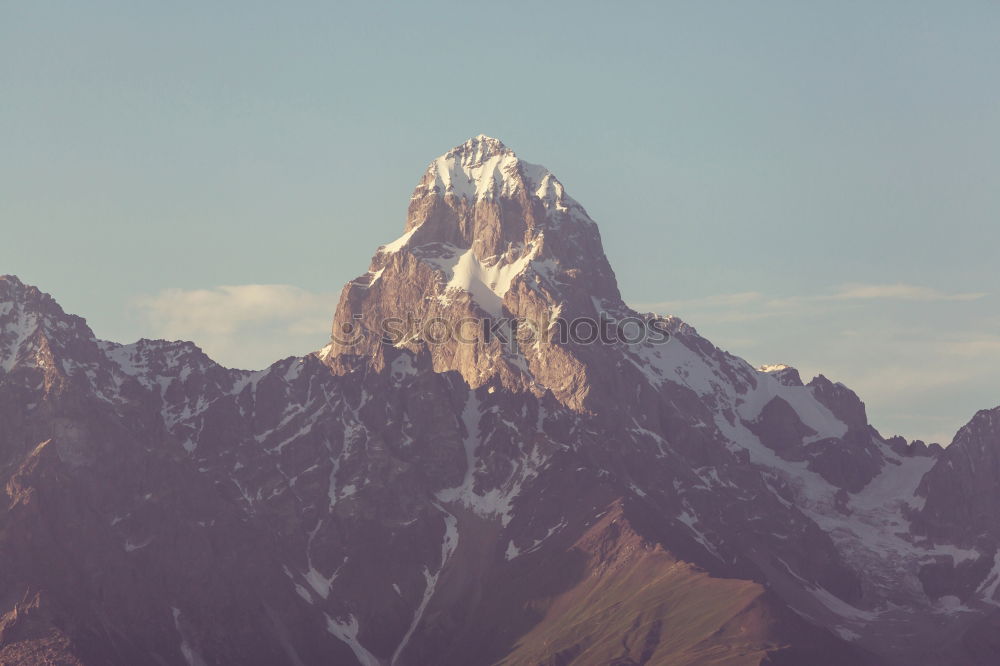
483	168
480	167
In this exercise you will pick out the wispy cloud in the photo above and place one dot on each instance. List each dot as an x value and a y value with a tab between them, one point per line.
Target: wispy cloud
769	305
975	347
248	325
900	292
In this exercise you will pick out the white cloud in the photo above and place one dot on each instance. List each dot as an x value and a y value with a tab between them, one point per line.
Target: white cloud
250	325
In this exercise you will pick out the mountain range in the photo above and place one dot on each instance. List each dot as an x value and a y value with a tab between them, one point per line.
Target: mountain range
477	495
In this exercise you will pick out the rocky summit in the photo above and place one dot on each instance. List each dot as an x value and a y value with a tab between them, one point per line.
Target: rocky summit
467	474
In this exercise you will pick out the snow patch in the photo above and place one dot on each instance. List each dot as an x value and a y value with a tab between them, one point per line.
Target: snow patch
402	367
130	546
487	280
190	655
448	545
398	244
346	629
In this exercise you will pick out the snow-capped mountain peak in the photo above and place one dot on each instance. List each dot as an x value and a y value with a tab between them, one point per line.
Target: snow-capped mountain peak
484	169
487	234
395	502
479	168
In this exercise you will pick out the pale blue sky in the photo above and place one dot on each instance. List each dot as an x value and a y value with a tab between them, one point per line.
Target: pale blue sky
749	164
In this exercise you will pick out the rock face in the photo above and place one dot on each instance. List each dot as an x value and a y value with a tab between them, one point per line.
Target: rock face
488	237
406	496
962	493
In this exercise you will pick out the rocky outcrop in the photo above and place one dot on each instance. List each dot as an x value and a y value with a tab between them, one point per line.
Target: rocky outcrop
962	491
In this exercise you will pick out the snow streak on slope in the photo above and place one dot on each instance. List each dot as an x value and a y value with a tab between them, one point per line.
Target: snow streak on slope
448	546
496	502
15	331
346	629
